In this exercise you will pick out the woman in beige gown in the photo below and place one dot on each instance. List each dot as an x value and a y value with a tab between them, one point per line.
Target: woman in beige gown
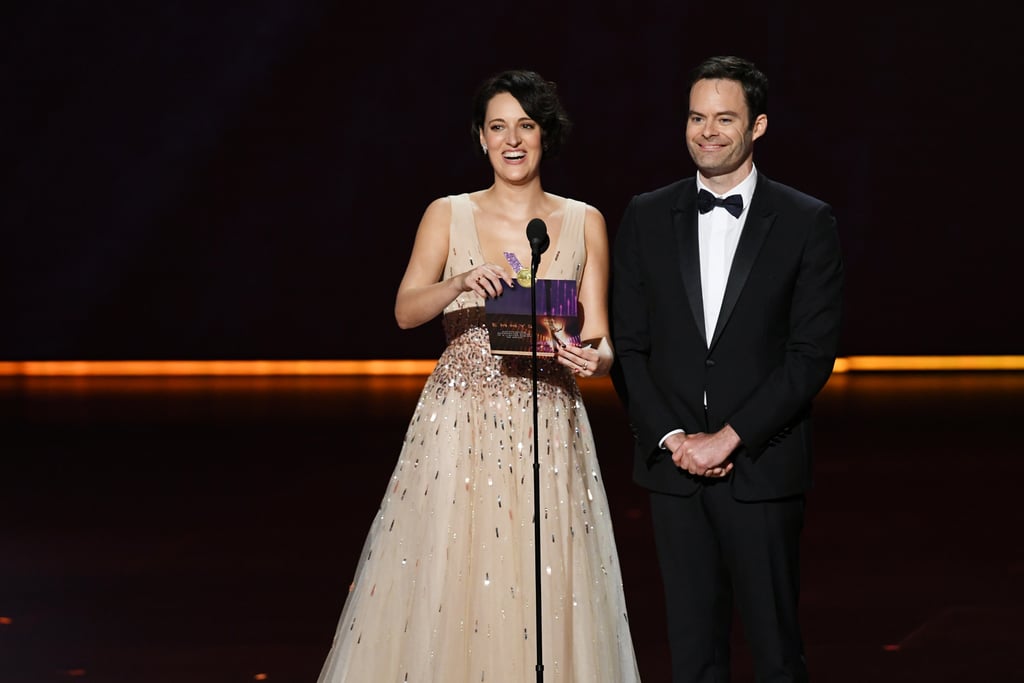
445	590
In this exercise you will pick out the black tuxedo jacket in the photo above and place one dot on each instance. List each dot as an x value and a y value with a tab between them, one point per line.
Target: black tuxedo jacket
773	349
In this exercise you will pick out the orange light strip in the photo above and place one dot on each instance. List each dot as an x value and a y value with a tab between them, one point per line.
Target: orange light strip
218	368
131	368
928	363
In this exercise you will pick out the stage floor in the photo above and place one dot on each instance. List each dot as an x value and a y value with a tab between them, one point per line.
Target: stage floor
205	530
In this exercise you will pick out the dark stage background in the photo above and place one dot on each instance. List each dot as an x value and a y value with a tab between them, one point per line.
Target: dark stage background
243	180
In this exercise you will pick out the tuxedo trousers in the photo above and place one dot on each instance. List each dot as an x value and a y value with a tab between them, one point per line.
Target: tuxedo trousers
721	556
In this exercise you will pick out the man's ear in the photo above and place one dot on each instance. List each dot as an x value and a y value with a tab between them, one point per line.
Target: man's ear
760	126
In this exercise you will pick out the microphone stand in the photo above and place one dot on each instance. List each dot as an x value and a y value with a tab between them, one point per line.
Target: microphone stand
535	262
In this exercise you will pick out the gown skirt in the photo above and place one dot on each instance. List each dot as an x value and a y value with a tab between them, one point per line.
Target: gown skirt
444	590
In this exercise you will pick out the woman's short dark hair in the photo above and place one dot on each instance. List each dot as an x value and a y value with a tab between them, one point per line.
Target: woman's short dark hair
539	99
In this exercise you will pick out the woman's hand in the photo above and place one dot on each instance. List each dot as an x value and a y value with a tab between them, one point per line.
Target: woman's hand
585	361
487	280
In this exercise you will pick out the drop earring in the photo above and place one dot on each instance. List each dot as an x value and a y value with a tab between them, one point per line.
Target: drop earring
484	148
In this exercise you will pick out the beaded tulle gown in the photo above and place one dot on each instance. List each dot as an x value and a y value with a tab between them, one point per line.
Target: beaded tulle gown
444	590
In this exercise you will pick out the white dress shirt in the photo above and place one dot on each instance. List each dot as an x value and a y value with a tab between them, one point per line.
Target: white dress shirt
718	233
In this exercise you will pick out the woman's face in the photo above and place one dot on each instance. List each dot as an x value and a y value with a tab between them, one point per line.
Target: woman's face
512	139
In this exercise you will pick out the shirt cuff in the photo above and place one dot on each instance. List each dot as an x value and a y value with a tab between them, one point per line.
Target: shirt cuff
661	444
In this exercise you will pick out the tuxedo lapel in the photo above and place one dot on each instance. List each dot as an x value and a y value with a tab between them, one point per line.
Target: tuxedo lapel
755	230
684	218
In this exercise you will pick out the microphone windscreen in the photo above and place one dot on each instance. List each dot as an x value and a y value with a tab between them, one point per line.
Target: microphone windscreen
537	233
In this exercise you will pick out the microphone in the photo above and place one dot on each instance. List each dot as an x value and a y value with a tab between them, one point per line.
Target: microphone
537	233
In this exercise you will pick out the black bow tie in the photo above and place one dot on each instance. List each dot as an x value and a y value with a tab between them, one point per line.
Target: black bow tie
707	201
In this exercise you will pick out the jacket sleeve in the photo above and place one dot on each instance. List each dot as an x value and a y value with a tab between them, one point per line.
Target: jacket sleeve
649	413
815	314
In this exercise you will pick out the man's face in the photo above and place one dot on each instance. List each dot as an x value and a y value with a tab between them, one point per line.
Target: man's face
718	132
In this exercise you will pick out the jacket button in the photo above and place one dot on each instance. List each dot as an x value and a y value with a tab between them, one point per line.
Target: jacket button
709	363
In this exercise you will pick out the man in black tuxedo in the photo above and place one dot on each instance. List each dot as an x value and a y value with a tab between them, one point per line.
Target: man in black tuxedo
726	304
